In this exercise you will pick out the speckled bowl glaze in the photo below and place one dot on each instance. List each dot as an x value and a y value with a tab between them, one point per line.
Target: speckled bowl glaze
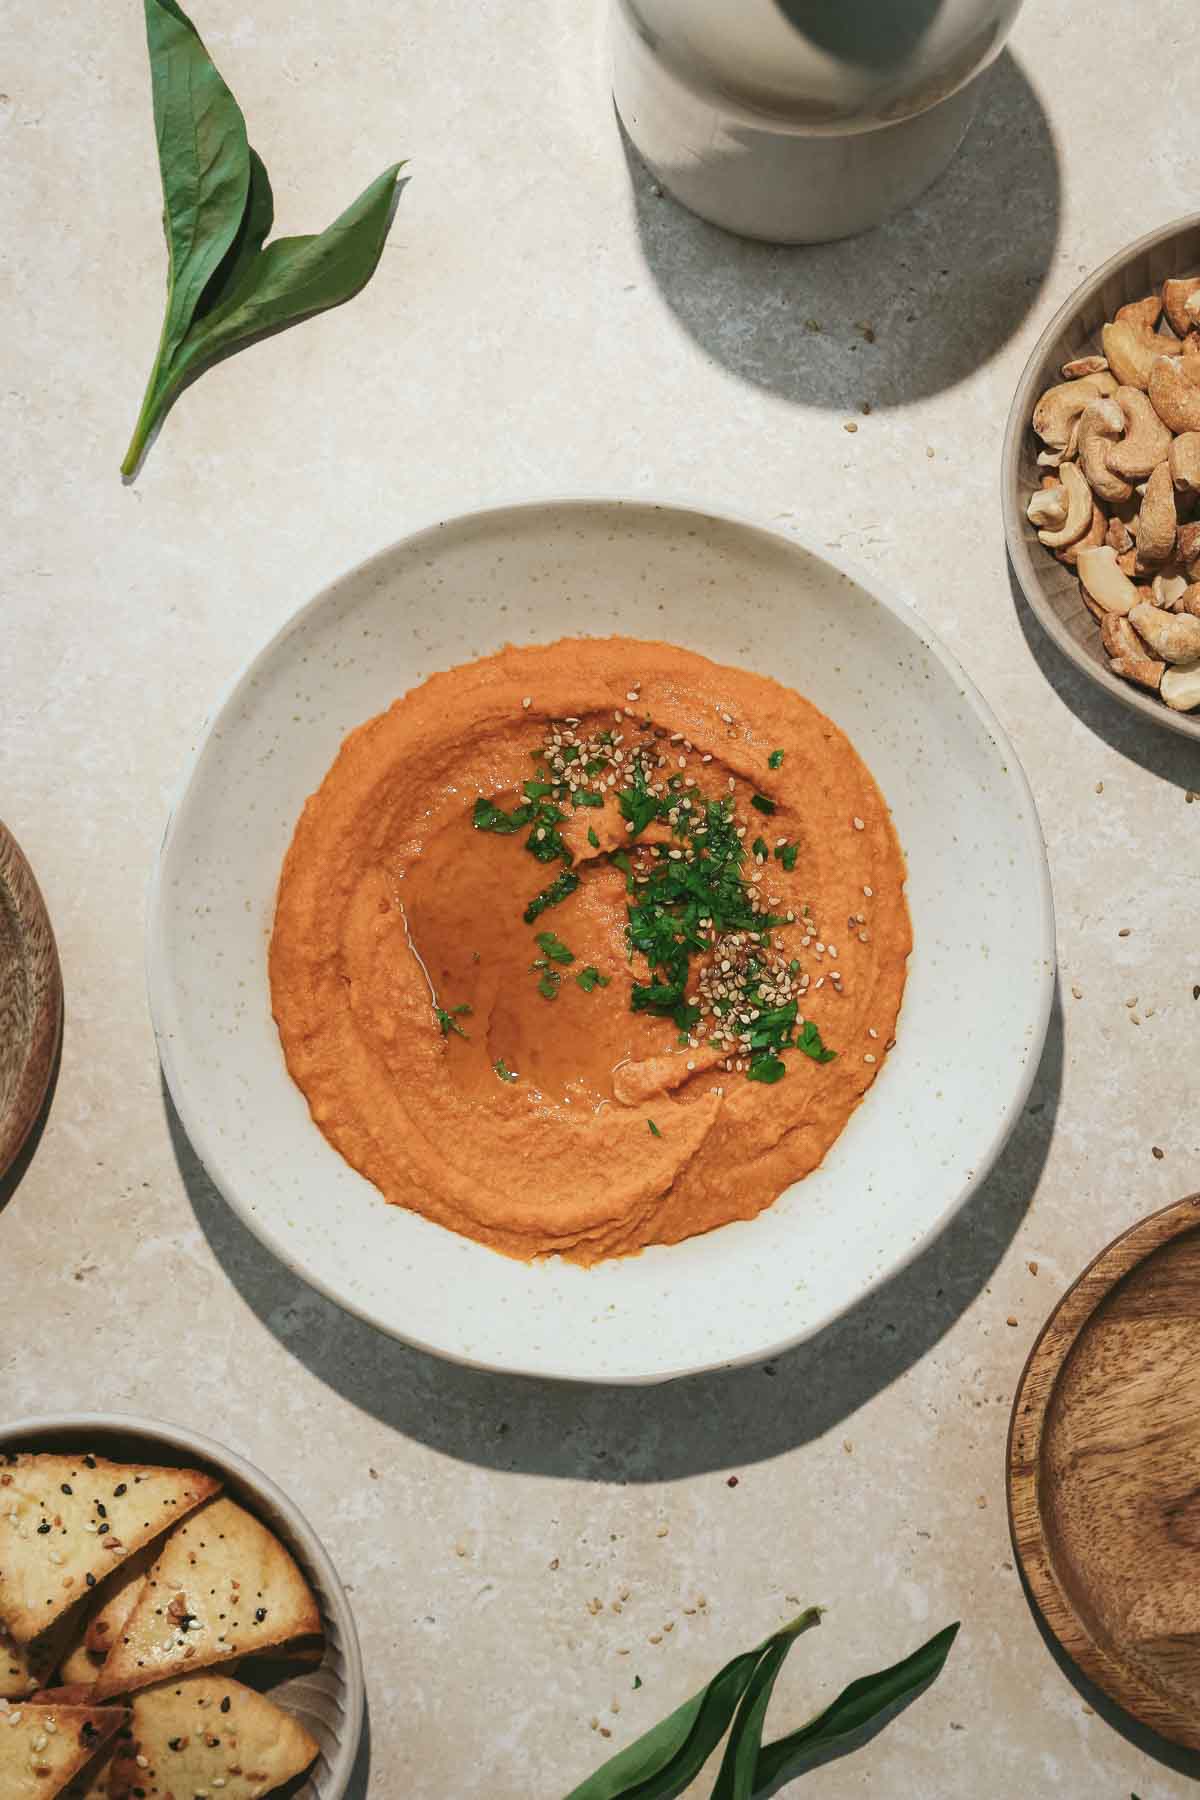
980	979
1051	588
328	1700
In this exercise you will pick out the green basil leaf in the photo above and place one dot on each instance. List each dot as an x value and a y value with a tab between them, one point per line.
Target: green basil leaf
661	1764
295	277
855	1708
739	1765
226	286
204	159
257	220
204	162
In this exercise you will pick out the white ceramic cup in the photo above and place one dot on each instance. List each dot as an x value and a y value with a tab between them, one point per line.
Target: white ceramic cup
799	121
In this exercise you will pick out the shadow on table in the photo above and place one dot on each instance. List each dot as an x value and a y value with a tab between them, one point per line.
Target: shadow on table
16	1171
730	1418
1172	1756
1161	752
942	286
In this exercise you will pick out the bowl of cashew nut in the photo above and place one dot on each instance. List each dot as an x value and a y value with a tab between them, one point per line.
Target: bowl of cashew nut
1101	475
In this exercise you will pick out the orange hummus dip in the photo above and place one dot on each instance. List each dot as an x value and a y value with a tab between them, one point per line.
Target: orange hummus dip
515	1068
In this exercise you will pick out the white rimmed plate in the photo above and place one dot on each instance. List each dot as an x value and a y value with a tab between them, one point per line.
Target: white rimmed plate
980	978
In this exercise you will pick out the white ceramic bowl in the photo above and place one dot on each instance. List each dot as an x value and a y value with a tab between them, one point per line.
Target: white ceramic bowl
979	986
328	1699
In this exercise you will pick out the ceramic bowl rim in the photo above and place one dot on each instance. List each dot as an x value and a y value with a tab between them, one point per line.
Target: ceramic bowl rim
203	1140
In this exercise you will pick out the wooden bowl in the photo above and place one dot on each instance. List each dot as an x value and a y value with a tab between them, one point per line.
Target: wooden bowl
30	1000
1051	587
1104	1471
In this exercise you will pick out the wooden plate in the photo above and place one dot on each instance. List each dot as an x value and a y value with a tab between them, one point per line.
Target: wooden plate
1104	1471
30	1000
1050	587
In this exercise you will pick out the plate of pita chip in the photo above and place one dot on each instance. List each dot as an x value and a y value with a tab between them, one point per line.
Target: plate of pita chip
170	1625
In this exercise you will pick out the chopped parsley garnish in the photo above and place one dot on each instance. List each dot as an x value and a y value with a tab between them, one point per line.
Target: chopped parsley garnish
638	804
544	840
448	1019
664	925
810	1042
654	1131
554	947
486	816
713	964
503	1071
559	890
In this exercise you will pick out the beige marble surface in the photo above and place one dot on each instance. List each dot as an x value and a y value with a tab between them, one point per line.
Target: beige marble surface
543	320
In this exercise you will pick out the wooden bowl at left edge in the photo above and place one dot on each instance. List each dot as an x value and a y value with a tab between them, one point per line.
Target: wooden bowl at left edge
31	1000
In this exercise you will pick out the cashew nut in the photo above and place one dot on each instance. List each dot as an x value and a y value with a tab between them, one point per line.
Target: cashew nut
1105	584
1146	441
1187	549
1168	591
1077	508
1141	312
1175	297
1085	365
1059	407
1127	653
1118	535
1132	348
1173	636
1189	600
1101	422
1051	459
1173	396
1093	536
1184	458
1181	687
1048	507
1157	521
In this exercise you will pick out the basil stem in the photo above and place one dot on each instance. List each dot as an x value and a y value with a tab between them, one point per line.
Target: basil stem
226	287
666	1759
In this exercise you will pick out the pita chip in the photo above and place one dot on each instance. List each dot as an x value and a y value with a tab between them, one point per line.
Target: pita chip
222	1587
80	1666
68	1521
43	1746
117	1599
207	1734
24	1667
93	1783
